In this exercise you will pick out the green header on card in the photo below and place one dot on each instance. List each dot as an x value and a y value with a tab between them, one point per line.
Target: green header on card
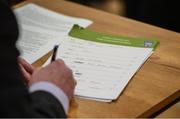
86	34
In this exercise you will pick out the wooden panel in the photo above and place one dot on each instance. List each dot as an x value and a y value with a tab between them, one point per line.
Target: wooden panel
172	112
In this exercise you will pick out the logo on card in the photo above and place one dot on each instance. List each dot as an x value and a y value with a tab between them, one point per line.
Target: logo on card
148	43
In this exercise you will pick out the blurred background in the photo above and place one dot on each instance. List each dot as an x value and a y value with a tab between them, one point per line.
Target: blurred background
162	13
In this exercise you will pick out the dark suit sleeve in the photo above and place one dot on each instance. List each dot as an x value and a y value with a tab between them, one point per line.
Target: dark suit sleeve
47	105
15	100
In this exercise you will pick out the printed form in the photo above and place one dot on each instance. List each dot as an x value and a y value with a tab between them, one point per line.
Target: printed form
102	70
41	28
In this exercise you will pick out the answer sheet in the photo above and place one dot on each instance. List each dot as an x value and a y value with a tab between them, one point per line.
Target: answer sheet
40	30
102	70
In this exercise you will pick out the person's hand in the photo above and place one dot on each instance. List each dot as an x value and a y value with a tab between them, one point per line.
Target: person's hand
57	73
26	69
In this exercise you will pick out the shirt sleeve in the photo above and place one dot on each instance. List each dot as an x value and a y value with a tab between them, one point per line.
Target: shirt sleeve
52	89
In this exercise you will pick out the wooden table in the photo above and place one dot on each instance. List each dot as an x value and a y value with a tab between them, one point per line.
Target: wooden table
154	86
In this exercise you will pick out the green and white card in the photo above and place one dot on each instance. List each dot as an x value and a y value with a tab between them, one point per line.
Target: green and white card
103	64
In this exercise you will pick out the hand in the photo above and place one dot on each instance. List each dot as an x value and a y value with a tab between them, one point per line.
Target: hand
57	73
26	69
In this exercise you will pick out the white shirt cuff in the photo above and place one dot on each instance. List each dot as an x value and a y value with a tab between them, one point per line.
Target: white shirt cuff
52	89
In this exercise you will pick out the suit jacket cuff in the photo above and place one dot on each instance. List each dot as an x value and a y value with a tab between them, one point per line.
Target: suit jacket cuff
52	89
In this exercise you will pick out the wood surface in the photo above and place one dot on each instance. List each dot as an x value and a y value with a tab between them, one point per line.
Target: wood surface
154	86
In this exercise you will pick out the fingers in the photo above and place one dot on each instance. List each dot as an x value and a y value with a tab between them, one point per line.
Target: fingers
67	71
69	81
25	74
26	69
74	82
26	66
57	73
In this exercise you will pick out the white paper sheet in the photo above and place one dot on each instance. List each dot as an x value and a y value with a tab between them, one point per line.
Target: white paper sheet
40	30
102	70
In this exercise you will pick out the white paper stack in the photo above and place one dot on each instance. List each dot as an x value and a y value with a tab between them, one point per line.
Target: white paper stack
41	28
102	70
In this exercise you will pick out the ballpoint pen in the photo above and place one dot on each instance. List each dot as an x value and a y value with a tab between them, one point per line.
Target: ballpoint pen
54	53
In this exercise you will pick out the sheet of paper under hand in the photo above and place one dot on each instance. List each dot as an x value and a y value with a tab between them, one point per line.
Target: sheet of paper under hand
41	28
102	64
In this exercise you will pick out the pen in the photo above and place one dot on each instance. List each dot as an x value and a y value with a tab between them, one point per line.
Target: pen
54	53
